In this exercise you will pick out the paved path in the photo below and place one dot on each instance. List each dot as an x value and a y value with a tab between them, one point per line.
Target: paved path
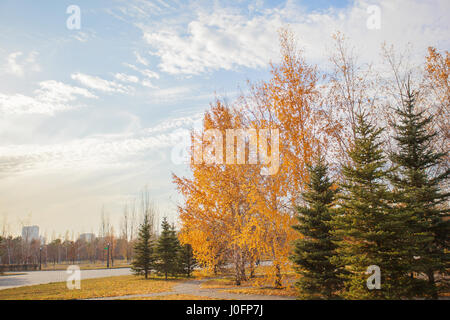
41	277
193	287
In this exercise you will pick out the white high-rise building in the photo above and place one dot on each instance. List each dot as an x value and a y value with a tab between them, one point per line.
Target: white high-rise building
30	233
88	237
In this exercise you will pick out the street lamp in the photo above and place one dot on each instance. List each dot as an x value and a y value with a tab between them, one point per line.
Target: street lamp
107	255
40	258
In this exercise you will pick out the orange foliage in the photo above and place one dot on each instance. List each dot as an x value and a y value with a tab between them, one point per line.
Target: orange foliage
437	73
233	213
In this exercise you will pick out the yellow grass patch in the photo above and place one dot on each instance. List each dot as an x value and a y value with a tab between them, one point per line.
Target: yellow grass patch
90	288
86	265
218	283
259	285
285	292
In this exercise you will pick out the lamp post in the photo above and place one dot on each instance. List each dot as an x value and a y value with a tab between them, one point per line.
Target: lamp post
40	258
107	255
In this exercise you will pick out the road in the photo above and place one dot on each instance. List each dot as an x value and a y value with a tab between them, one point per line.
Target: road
42	277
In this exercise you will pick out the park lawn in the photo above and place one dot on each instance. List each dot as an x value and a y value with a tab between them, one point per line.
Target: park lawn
267	291
218	283
253	286
90	288
85	265
258	285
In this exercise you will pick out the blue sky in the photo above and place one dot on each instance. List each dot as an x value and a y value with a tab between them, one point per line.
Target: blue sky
88	117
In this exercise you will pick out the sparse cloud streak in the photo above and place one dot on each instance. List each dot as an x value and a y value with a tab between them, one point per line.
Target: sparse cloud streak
97	83
51	97
18	64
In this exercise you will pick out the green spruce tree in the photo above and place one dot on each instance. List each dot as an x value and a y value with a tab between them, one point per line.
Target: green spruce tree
167	249
369	231
418	193
319	277
143	261
186	259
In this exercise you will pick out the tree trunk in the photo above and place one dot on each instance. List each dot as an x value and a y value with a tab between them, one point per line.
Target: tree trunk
242	267
237	267
278	277
252	268
432	283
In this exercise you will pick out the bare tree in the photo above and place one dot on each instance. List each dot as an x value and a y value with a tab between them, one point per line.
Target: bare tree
351	89
148	208
124	229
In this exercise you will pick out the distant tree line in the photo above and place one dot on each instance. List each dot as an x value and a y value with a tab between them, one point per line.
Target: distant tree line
15	250
69	249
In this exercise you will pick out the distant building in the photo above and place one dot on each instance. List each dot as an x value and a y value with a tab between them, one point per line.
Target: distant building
88	237
30	233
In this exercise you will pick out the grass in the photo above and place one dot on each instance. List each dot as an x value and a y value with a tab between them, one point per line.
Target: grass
85	265
90	288
257	285
132	285
218	283
268	291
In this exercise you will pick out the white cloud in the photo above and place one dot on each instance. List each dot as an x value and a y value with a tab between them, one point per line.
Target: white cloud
97	151
148	84
193	121
221	40
18	67
100	84
51	97
55	91
83	36
228	38
13	67
178	93
143	9
140	59
145	72
149	73
126	78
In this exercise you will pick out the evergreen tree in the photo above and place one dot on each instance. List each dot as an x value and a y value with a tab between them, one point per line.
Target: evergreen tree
167	250
417	191
313	252
186	259
369	232
144	256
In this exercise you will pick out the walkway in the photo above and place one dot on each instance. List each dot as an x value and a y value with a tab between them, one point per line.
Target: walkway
193	287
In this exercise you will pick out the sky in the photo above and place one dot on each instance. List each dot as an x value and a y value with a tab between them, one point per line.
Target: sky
89	116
